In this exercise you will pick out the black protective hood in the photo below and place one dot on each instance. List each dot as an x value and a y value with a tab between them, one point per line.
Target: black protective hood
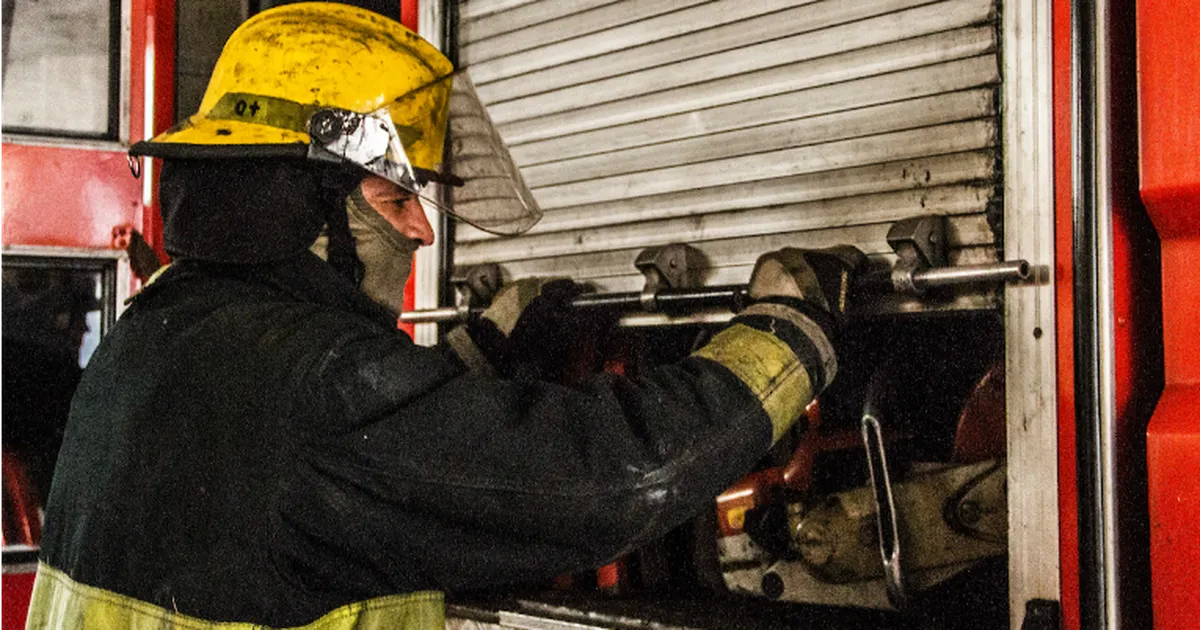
247	211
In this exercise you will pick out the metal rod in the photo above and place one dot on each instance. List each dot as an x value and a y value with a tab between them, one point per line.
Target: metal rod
1091	233
1008	271
444	314
737	295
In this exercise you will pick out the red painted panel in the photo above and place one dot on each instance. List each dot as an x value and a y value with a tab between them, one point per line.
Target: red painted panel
1169	73
1181	319
1169	68
66	197
152	25
408	13
1064	273
1173	449
408	17
17	588
1173	444
22	526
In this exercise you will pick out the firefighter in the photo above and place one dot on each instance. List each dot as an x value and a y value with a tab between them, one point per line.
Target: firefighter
256	444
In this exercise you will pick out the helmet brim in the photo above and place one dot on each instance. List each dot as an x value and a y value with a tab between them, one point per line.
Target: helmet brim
199	137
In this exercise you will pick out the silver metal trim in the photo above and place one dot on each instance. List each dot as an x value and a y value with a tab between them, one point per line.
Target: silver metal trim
529	622
126	97
427	263
18	569
1106	392
64	143
62	252
1030	326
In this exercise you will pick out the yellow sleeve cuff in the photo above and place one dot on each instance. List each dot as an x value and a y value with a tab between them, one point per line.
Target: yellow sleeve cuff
768	367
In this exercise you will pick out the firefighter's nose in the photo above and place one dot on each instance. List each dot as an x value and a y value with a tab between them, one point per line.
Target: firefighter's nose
415	224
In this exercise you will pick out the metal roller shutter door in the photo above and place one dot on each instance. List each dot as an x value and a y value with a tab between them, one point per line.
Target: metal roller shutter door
736	127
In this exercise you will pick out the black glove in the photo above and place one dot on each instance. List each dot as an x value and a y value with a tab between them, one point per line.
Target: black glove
547	331
527	332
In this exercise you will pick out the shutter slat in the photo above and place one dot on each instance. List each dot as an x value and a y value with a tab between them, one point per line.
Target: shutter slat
472	9
875	31
945	200
598	19
950	138
869	121
928	172
937	79
743	23
473	30
932	49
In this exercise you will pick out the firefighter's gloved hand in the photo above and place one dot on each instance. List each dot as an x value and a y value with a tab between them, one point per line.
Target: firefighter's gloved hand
543	340
528	327
512	302
809	289
814	281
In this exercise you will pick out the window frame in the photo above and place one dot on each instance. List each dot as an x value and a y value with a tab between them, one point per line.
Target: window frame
113	265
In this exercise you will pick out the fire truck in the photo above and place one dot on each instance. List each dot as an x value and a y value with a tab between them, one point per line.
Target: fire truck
1012	440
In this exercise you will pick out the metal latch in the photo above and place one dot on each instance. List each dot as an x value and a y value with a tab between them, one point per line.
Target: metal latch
672	266
920	242
479	285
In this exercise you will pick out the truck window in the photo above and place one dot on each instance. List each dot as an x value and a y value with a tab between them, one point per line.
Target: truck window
54	312
61	67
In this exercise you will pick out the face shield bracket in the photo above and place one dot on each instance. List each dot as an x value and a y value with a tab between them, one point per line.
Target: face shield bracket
369	141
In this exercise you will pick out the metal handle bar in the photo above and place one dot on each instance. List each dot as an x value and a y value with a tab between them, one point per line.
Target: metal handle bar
887	519
735	296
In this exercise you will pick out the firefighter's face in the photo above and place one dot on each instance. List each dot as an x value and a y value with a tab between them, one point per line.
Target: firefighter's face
401	208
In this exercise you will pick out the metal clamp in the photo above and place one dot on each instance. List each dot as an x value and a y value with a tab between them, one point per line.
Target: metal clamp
479	285
673	266
920	242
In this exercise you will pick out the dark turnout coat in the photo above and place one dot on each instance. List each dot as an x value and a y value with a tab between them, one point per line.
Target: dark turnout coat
258	443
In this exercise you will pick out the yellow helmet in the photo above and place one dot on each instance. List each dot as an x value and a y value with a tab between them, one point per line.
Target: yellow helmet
334	82
323	81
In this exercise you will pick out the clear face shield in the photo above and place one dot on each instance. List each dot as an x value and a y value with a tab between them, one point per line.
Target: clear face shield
487	192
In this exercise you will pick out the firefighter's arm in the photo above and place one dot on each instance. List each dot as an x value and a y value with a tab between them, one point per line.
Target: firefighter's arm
782	346
481	480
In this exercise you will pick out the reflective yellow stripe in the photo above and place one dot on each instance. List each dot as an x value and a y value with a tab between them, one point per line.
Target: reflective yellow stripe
283	114
61	603
263	110
768	367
